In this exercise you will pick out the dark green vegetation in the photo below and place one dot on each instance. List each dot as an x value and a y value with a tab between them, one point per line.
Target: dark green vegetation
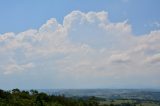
34	98
17	97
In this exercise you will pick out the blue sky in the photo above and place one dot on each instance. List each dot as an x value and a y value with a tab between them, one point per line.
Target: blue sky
24	14
79	44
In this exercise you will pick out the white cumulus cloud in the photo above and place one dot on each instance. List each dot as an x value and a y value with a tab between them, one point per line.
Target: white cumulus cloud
87	50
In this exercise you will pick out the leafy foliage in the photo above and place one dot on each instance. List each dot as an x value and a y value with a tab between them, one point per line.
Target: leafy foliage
17	97
34	98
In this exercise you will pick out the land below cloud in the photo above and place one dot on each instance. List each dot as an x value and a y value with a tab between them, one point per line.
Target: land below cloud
80	97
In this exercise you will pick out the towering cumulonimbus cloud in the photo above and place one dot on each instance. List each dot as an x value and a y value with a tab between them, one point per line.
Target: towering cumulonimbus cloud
87	50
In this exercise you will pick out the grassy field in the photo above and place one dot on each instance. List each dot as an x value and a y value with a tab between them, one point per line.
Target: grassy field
134	102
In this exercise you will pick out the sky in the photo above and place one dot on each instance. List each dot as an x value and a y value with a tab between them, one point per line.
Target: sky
47	44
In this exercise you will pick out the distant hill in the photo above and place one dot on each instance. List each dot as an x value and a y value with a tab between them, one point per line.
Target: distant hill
142	94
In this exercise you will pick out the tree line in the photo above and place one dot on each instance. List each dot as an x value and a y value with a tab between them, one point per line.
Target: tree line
17	97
